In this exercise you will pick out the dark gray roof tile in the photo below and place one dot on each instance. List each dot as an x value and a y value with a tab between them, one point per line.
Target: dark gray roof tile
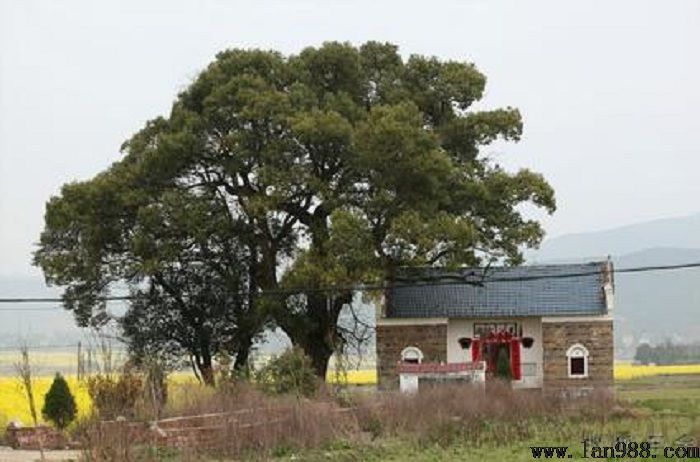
547	290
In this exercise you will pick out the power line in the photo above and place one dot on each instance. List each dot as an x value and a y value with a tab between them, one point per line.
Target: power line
440	280
54	299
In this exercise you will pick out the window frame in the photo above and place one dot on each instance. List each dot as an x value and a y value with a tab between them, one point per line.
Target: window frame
577	351
410	351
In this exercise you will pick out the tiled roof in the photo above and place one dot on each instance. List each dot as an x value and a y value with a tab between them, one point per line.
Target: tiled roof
547	290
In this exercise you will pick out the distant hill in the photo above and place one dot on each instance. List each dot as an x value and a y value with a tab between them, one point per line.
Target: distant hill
658	305
652	306
681	233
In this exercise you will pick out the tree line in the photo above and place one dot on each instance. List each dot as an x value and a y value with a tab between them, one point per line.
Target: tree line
668	353
275	176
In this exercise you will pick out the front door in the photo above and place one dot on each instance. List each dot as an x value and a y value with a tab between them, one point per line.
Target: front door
498	347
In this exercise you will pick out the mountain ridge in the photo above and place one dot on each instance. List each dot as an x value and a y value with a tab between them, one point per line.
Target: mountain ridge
680	232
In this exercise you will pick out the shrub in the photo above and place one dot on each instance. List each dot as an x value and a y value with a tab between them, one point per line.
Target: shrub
289	373
115	395
503	364
59	404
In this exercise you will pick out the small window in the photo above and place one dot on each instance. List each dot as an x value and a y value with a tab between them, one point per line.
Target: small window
412	355
577	361
578	367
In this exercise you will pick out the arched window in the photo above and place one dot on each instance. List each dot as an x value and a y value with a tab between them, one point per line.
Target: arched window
577	361
411	355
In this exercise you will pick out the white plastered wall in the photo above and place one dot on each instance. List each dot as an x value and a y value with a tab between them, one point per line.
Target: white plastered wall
532	327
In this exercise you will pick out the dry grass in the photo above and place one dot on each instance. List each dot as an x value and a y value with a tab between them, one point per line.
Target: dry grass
239	422
444	413
227	422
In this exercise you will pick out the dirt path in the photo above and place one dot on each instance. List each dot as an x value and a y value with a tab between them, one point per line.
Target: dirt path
10	455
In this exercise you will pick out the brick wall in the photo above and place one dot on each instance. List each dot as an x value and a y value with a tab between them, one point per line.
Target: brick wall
596	336
392	339
35	438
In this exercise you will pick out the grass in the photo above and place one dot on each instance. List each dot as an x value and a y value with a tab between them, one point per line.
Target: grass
435	421
13	405
657	400
663	407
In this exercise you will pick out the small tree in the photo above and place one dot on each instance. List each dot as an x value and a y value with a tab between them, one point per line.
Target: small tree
59	404
289	373
503	364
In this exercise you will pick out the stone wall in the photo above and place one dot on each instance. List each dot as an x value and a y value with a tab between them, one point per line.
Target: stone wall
431	339
596	336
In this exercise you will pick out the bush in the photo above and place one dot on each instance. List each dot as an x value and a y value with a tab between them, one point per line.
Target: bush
503	364
115	395
289	373
59	404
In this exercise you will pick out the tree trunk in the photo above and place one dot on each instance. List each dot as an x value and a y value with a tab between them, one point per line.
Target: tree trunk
320	354
204	364
319	337
243	354
207	372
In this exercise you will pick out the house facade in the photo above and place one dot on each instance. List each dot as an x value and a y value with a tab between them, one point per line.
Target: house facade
553	323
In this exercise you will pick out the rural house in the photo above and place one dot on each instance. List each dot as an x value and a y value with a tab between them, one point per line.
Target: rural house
552	322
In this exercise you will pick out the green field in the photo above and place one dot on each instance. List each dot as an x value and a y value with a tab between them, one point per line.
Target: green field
665	408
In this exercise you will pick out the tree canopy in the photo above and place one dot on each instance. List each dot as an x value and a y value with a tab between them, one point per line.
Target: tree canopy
287	175
59	404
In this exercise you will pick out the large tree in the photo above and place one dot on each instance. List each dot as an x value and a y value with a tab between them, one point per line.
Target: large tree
192	301
175	252
332	167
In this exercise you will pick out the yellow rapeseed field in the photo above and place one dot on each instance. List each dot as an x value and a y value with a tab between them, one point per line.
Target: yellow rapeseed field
14	406
353	377
626	371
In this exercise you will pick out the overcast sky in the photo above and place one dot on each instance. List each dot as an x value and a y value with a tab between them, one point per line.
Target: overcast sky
609	90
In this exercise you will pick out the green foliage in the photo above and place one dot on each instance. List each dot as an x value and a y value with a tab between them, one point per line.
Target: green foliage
327	168
503	370
59	404
289	373
668	353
